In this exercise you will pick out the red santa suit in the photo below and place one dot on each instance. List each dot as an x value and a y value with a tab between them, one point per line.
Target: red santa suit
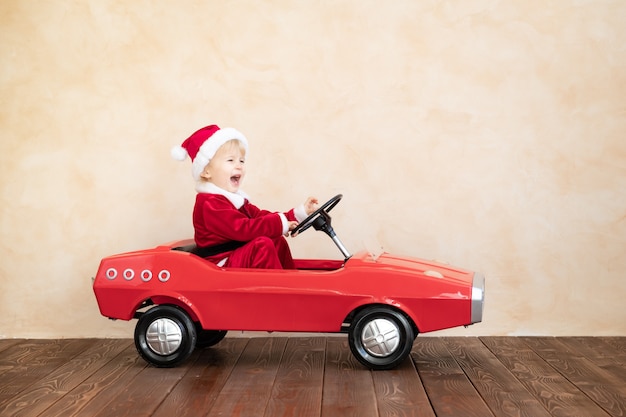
241	234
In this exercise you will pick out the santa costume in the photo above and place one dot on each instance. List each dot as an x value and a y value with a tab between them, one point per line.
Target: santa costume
231	231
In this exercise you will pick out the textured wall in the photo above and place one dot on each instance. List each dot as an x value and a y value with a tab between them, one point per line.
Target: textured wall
490	134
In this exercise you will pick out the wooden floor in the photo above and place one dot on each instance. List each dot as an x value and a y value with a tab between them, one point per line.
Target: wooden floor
317	376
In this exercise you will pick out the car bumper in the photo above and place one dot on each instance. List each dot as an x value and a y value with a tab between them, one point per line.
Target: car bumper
478	298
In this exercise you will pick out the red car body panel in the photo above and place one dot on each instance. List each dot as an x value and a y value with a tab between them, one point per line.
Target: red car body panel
319	296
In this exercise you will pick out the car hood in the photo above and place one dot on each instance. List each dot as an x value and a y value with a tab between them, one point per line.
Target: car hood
433	269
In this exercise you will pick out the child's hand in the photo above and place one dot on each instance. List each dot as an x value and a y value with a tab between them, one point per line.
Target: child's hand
291	225
310	205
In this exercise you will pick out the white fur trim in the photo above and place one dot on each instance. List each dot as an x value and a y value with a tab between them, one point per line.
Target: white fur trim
197	166
179	153
210	147
300	213
285	222
237	199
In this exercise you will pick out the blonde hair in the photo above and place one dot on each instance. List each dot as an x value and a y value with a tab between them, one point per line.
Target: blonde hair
233	144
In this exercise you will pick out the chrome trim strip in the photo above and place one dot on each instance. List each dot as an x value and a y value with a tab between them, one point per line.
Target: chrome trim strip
478	298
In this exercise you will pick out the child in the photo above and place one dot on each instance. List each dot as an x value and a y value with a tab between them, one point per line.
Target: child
230	230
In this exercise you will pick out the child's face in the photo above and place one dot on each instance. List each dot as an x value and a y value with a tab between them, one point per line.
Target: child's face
227	168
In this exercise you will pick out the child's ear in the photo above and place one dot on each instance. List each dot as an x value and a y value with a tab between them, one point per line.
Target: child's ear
206	174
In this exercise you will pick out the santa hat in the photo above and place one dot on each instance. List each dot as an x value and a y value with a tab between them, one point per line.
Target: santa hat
202	145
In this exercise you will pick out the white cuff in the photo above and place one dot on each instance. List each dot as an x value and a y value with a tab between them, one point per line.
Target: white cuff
300	213
285	222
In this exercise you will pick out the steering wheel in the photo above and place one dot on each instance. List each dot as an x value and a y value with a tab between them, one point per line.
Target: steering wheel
319	218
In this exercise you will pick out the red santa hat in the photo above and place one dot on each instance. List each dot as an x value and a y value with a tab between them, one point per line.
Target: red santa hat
202	145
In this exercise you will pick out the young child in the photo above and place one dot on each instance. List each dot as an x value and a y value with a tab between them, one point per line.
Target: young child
230	230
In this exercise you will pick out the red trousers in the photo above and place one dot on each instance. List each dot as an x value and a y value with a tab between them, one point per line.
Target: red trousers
262	252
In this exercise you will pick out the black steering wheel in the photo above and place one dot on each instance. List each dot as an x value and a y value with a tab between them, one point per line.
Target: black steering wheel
319	219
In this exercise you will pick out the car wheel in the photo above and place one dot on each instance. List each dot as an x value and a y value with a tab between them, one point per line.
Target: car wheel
208	338
165	336
380	337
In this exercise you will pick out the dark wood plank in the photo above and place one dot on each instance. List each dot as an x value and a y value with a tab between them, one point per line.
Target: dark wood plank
28	353
143	394
598	351
7	343
197	391
28	362
38	396
557	395
313	376
102	387
12	351
603	387
595	348
502	392
105	401
618	343
247	391
297	391
348	385
450	391
400	392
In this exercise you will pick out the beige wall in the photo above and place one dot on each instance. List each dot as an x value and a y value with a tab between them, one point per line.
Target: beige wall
490	134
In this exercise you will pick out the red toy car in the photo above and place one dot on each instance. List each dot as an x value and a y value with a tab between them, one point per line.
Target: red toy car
182	301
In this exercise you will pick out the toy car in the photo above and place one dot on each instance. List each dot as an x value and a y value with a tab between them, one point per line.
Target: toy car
183	301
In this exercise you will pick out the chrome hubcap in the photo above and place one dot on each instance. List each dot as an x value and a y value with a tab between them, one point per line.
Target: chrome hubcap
380	337
164	336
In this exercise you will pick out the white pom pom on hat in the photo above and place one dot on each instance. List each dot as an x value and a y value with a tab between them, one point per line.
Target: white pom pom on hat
202	145
179	153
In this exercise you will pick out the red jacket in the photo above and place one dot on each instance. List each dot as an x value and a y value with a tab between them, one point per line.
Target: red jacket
216	220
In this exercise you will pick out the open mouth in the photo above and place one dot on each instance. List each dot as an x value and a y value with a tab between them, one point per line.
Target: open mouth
235	179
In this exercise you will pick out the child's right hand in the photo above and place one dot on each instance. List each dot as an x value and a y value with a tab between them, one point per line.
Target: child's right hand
292	225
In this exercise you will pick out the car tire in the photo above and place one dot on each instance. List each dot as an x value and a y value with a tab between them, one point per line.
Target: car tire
381	337
208	338
165	336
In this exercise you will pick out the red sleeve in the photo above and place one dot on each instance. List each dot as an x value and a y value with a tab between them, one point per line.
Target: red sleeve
257	212
291	216
216	220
